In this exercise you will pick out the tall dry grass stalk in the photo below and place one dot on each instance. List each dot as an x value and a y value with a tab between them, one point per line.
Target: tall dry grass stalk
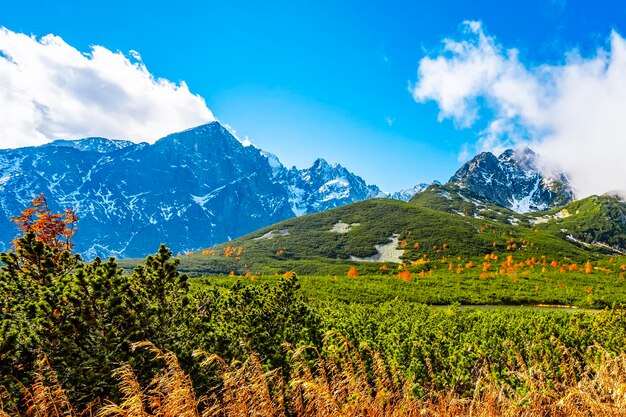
345	381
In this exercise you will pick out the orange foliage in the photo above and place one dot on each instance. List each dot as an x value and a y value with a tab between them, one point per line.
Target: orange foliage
588	268
404	275
383	267
352	272
230	251
52	229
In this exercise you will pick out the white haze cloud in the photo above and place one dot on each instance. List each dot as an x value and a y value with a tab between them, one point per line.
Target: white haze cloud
573	113
50	90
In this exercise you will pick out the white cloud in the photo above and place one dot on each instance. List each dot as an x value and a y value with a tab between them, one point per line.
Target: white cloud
573	113
49	90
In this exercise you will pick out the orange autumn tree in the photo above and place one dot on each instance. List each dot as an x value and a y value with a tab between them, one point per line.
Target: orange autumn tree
44	249
353	272
53	229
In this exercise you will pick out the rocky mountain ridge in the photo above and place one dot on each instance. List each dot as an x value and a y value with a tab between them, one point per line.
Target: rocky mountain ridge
190	190
200	187
513	180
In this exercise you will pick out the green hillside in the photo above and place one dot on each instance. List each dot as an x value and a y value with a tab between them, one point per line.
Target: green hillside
593	222
312	244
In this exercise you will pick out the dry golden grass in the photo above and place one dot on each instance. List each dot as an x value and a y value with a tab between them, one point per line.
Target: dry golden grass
345	381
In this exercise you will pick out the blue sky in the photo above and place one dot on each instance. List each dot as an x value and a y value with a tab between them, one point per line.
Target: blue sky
326	78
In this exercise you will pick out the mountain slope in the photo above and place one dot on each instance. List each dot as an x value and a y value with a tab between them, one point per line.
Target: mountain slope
99	145
189	189
596	221
379	231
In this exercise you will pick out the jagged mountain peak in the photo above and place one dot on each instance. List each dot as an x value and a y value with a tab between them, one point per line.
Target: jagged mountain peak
523	157
208	133
320	164
513	180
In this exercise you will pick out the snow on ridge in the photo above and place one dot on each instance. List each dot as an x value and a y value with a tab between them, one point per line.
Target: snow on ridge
341	227
386	252
272	234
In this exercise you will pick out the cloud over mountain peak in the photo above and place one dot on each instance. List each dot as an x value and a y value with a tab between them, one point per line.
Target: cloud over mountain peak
571	112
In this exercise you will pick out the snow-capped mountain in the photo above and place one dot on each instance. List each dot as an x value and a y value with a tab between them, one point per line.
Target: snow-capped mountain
189	190
324	186
408	193
513	180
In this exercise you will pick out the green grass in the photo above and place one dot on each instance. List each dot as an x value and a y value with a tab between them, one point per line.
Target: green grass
450	198
445	347
591	220
595	290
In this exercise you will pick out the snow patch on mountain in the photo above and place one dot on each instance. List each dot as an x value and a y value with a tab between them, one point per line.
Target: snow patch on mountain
272	234
342	228
386	252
